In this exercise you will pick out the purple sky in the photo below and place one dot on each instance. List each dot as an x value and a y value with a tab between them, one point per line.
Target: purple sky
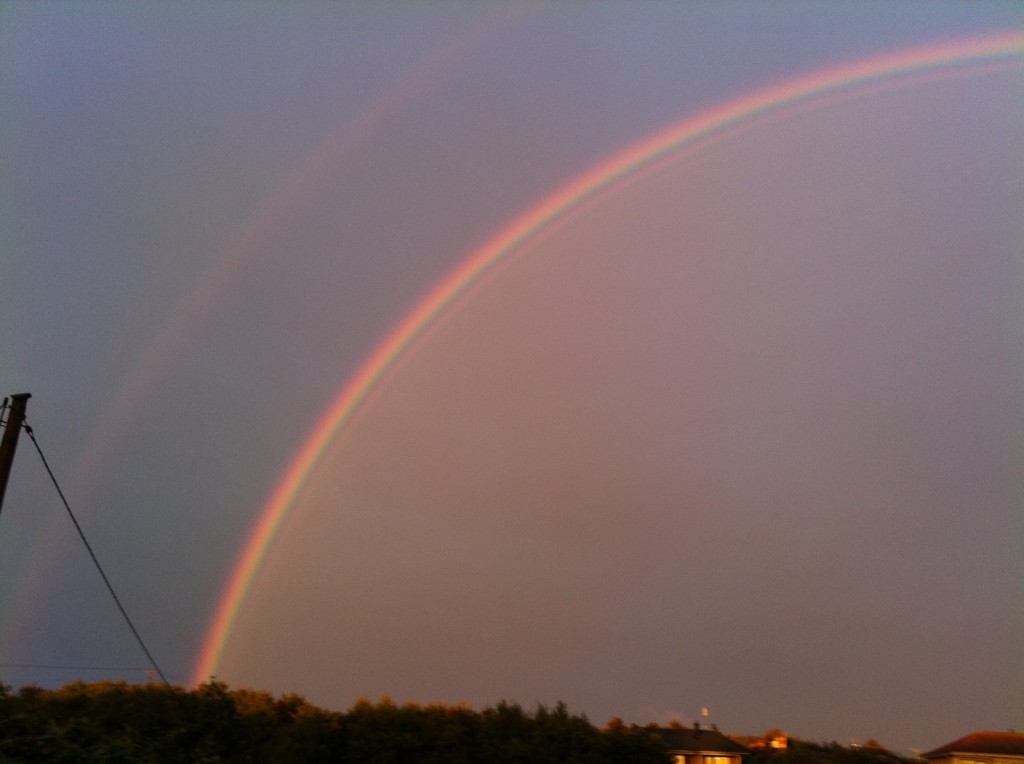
744	433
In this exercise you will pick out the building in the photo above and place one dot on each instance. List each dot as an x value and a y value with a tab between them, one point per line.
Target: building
980	748
695	745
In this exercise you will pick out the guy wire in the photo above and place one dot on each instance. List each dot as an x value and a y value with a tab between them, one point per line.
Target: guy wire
95	560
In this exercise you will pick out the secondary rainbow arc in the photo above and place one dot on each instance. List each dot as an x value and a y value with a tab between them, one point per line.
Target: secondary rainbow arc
946	56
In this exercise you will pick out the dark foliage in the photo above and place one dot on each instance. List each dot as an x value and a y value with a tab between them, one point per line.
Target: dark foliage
806	752
118	722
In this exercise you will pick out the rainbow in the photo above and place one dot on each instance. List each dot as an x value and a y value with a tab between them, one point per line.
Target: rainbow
1004	49
303	179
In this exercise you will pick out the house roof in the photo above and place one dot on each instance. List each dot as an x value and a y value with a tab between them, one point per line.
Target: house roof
1004	743
691	740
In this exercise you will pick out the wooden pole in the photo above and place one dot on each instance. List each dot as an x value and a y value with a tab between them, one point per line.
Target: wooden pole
15	419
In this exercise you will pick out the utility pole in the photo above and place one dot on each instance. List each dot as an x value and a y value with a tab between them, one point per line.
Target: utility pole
15	419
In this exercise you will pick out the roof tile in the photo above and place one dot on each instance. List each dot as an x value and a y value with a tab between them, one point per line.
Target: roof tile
1005	743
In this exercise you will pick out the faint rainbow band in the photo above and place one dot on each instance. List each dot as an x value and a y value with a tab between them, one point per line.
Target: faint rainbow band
948	55
303	179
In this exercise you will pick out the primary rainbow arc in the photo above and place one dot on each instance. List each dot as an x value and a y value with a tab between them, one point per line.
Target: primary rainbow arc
946	56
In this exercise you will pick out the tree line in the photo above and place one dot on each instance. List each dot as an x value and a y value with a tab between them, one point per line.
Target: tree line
138	723
809	752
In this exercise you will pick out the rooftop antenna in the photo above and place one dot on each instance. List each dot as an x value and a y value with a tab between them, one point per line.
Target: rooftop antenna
15	420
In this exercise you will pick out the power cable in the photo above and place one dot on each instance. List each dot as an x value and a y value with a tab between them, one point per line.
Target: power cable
72	668
96	562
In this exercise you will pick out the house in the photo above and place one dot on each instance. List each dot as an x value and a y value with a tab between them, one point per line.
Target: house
980	748
696	745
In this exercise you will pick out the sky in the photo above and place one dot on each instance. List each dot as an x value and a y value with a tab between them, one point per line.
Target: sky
737	426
